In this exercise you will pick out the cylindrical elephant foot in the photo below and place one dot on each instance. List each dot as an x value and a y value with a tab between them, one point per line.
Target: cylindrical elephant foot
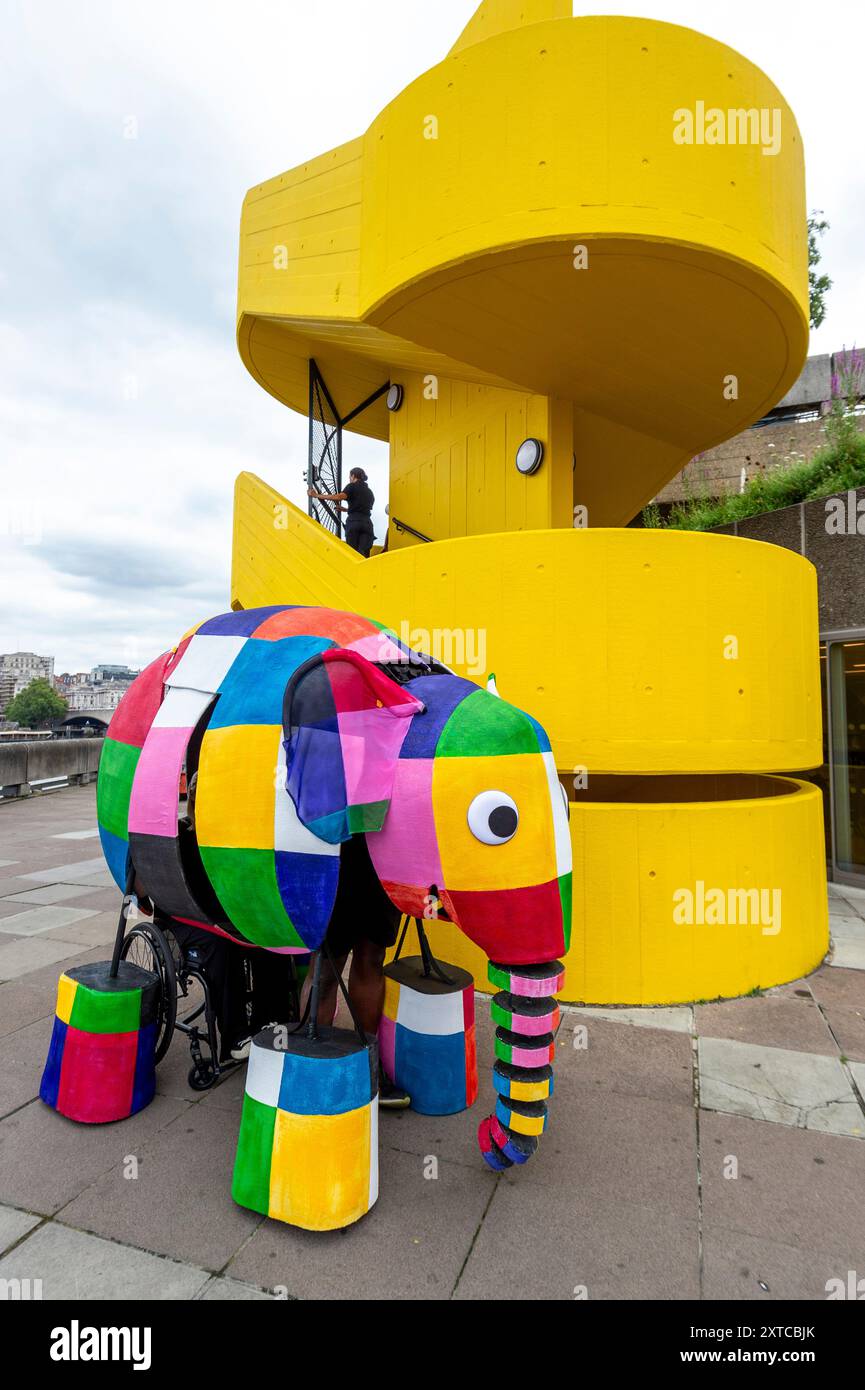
427	1036
101	1060
307	1152
527	1017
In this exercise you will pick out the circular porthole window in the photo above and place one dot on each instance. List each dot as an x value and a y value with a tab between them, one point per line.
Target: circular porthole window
530	456
394	397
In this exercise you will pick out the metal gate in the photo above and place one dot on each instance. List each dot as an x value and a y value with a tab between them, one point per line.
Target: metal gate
325	447
325	452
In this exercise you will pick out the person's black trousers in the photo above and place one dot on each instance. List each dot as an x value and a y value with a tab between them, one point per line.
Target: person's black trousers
360	536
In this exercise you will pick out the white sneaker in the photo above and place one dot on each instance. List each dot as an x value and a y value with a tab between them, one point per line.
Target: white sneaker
241	1050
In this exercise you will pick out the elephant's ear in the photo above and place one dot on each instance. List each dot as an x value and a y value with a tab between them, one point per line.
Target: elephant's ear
344	722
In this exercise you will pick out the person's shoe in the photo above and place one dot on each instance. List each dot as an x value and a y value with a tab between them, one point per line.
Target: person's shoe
241	1050
392	1097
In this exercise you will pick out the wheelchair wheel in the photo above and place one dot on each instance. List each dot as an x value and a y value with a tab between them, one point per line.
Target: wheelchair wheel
146	946
201	1076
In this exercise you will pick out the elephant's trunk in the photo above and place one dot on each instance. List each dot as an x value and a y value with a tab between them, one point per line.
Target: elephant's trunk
526	1016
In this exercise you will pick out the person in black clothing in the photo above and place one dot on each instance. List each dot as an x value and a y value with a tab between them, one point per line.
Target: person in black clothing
358	523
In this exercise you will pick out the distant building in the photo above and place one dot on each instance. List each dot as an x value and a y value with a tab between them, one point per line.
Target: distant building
18	669
113	673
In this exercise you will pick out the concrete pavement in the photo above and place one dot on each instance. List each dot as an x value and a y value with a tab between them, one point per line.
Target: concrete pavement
713	1151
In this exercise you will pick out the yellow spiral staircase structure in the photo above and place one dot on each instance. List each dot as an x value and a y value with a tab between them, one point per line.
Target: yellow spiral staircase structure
526	244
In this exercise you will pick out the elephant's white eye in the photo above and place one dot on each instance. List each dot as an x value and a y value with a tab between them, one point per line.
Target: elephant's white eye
493	818
565	800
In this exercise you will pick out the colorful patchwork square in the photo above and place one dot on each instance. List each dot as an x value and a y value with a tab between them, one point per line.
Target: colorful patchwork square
101	1059
307	1153
427	1036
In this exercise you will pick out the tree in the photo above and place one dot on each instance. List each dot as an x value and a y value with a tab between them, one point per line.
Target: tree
818	285
37	705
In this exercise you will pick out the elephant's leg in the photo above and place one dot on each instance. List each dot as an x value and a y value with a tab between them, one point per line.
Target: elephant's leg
526	1016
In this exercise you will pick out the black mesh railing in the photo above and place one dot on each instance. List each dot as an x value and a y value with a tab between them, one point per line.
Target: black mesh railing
325	452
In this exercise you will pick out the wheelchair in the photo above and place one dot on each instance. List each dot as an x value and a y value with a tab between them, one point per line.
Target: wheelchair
153	946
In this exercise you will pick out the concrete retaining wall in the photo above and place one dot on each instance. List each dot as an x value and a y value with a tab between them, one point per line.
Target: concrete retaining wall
22	764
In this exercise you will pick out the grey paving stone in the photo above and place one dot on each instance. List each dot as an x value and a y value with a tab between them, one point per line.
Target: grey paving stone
847	928
771	1021
35	921
611	1147
68	873
232	1291
90	834
22	1003
771	1083
49	894
532	1247
848	954
22	1059
48	974
622	1061
858	1071
180	1203
796	1187
81	1267
14	1224
99	929
18	958
426	1226
46	1160
745	1267
677	1020
8	863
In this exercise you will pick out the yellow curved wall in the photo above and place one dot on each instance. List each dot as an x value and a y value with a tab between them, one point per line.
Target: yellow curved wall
614	639
630	860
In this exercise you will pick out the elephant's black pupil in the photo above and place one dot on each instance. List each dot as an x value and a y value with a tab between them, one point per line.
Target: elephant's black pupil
503	822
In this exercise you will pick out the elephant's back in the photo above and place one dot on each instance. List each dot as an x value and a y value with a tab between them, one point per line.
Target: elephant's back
214	704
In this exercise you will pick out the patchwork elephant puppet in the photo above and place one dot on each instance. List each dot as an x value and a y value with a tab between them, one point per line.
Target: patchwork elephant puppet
308	725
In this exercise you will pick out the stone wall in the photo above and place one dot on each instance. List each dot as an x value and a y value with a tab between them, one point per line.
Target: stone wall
830	532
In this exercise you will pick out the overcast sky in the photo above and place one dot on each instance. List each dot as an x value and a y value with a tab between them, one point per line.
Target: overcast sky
125	412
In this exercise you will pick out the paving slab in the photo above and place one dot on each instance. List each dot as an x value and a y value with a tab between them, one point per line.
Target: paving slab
180	1202
8	863
46	1160
836	986
22	1003
425	1225
18	958
50	894
677	1020
745	1267
22	1059
797	1187
771	1083
610	1147
68	873
91	834
784	1021
858	1072
36	920
99	929
72	1265
623	1061
232	1291
49	973
847	928
14	1224
848	954
532	1248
